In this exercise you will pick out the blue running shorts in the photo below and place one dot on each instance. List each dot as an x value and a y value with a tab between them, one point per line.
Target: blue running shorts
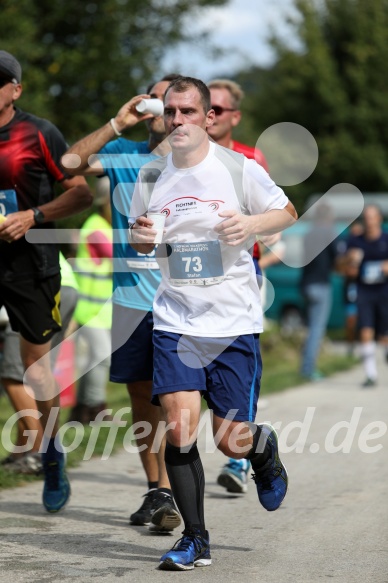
132	348
226	370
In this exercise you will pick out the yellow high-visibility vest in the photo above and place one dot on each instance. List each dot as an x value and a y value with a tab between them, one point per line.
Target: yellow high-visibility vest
94	306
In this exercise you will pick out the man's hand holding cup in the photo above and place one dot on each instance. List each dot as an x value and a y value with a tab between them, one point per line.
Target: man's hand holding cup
146	231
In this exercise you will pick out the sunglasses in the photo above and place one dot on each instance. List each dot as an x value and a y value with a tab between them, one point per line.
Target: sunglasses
218	110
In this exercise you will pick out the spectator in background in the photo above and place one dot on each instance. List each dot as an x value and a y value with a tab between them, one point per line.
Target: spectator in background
30	152
366	260
20	395
226	97
93	271
350	292
316	286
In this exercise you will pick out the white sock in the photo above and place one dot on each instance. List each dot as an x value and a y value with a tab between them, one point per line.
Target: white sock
368	355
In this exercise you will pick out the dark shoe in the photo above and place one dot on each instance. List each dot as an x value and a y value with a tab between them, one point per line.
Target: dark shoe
192	550
29	463
271	478
164	514
142	517
56	491
369	383
10	459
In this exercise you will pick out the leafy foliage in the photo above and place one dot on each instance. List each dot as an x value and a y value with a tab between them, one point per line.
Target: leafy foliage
336	87
82	60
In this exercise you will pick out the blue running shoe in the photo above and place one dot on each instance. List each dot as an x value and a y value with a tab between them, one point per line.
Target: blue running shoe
192	550
271	478
56	490
233	476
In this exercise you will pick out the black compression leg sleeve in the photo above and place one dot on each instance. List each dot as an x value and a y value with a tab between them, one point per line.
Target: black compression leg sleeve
187	479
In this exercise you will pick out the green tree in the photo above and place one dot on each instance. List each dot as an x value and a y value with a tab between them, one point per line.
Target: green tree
336	87
82	60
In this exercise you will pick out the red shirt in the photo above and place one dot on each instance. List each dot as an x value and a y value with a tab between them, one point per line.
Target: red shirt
257	155
30	165
250	152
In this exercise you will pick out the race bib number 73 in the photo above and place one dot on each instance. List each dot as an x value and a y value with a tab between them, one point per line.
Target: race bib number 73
195	263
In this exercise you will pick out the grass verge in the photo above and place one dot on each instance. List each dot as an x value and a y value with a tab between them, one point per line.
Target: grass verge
282	357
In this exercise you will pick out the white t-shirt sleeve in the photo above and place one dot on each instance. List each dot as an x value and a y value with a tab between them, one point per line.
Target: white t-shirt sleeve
261	192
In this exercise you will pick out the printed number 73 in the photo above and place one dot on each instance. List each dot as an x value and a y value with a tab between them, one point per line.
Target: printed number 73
196	261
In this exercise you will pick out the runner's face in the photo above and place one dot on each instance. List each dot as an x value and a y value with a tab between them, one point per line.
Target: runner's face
185	119
9	92
372	218
227	120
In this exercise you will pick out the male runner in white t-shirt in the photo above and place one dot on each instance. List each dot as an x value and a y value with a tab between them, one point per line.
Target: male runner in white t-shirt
207	311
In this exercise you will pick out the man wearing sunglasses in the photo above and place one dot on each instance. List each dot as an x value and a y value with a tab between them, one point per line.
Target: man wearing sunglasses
226	98
30	152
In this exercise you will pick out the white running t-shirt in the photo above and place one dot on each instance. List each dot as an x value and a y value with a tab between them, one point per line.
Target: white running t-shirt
208	288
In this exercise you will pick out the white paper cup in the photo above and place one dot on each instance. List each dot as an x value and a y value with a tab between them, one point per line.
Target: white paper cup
159	219
154	106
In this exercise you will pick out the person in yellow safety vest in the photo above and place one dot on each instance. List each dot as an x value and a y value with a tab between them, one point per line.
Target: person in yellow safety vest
93	270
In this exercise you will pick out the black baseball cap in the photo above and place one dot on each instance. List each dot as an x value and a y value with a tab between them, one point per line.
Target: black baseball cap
10	67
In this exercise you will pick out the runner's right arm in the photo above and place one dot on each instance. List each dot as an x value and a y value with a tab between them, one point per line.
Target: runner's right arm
82	158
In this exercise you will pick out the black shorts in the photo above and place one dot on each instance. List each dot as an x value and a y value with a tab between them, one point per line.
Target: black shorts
372	308
33	307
